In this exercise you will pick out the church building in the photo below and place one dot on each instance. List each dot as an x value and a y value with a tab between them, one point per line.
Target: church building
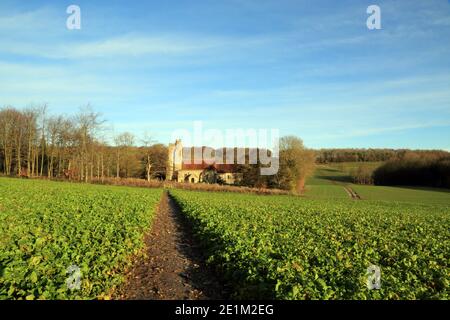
181	167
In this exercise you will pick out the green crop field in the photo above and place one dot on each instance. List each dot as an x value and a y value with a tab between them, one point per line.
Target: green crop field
289	247
317	246
47	227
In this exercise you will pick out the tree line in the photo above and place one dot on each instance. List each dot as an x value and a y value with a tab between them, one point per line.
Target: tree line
35	144
369	155
415	169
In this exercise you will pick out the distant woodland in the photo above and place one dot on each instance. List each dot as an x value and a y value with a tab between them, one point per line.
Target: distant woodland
415	169
373	155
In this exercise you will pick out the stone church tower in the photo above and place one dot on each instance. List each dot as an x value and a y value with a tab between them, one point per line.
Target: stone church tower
174	159
188	172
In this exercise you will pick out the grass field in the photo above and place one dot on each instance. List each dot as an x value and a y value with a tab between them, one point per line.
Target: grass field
328	175
327	192
289	247
46	227
404	194
329	180
347	167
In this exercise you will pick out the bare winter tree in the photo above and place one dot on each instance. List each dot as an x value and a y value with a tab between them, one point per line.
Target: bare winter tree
7	116
123	142
87	123
147	141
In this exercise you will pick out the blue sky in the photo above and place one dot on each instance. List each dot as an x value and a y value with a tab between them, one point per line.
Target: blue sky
308	68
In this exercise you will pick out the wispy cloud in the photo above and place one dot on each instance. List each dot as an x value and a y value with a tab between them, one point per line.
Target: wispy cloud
134	45
34	21
315	72
371	131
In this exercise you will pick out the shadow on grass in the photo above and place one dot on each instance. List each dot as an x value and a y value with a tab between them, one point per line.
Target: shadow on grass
330	169
346	179
418	188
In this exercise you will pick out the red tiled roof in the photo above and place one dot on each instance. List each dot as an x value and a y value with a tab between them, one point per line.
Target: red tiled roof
203	166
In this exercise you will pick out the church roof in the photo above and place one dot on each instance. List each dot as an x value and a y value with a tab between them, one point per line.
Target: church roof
221	168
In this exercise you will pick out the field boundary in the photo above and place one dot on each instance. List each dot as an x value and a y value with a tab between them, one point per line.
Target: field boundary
142	183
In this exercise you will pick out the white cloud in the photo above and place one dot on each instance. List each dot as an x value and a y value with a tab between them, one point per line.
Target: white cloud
134	45
370	131
36	21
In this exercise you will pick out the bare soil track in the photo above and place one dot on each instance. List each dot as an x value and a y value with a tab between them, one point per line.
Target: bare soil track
352	193
174	267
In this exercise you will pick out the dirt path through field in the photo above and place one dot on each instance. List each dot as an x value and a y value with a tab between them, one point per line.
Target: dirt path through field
352	193
173	268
